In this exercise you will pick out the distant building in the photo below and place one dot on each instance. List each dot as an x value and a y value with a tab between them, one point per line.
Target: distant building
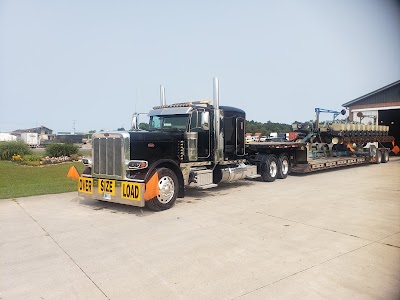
45	134
380	107
69	138
7	137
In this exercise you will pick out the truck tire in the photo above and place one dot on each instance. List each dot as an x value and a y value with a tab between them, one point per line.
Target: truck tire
385	156
283	166
168	185
270	169
378	157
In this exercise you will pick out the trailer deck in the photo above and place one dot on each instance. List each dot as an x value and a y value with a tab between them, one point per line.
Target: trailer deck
253	146
316	164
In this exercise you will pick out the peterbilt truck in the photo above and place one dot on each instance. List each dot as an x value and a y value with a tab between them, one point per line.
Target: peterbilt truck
198	144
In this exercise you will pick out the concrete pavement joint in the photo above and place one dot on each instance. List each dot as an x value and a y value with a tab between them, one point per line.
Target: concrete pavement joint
301	271
327	229
352	235
321	263
378	241
390	245
59	246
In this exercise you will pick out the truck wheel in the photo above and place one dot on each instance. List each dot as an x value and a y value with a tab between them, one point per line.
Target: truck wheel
283	166
270	169
378	157
385	156
168	186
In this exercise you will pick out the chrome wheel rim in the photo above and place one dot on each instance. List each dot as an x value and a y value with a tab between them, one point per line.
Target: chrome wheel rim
285	166
273	169
167	189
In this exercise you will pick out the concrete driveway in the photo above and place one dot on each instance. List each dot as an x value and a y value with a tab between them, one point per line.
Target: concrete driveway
328	235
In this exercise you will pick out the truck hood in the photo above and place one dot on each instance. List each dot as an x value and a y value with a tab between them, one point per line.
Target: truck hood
153	145
154	136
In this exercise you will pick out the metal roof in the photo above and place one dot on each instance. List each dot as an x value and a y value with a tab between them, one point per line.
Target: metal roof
370	94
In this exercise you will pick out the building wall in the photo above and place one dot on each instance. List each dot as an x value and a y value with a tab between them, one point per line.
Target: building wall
372	119
371	109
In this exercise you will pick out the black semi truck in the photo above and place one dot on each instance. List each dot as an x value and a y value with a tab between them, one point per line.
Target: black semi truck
201	144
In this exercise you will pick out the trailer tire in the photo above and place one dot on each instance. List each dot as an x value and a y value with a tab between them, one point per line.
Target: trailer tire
270	169
378	157
283	166
169	186
385	156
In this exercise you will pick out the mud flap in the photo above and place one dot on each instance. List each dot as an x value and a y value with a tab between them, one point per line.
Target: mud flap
152	189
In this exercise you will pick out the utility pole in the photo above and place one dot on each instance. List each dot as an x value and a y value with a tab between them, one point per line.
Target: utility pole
73	127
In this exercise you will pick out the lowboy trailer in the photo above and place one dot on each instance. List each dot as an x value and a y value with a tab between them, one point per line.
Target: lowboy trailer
199	144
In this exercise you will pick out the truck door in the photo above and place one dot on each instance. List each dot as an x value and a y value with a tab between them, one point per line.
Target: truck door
203	143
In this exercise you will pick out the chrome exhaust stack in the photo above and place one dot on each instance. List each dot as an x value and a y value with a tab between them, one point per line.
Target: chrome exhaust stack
219	139
162	96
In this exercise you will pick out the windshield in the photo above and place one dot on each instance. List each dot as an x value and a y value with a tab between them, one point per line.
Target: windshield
174	122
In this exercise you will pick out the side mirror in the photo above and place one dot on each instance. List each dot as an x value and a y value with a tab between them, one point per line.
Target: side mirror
135	121
205	120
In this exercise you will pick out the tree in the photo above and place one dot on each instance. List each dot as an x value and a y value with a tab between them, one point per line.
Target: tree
267	128
121	129
144	126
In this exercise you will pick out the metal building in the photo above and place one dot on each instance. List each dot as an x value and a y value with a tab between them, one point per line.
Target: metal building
380	107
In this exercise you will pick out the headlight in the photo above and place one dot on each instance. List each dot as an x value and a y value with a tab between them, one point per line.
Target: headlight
137	164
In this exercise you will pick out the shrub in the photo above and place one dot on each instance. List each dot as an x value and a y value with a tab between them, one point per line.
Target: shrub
32	157
16	157
31	163
56	150
74	157
8	149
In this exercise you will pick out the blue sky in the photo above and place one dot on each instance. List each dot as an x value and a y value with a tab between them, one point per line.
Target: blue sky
96	62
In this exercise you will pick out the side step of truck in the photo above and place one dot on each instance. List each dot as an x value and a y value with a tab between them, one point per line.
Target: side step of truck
204	179
207	186
253	176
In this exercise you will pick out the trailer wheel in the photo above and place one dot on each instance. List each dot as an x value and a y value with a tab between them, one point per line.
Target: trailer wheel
283	166
168	186
270	169
385	156
378	157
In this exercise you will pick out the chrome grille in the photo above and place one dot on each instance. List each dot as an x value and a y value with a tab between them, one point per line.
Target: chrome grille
107	156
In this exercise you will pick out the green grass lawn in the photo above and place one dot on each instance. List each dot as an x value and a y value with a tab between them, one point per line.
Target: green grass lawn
21	181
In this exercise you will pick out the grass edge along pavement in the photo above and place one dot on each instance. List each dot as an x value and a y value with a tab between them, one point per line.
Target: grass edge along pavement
22	181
